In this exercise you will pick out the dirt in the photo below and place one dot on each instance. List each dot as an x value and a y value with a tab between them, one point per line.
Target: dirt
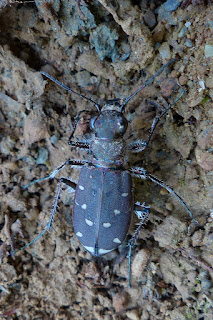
106	50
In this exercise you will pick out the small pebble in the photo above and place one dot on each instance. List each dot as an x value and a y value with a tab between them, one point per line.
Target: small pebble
126	51
164	50
120	301
210	23
171	5
169	206
42	156
139	263
197	238
174	74
54	139
209	82
7	145
35	126
205	138
83	78
204	159
182	32
93	80
103	39
168	86
165	9
202	85
206	284
150	19
211	93
187	24
189	43
159	32
133	315
208	50
183	80
163	191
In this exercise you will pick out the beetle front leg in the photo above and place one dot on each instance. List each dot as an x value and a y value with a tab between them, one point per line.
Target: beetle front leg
140	145
79	144
49	224
143	174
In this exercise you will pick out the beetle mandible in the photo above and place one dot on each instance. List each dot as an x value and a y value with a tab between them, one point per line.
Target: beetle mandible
101	219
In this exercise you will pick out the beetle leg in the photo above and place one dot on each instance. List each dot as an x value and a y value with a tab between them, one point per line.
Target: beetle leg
79	144
71	162
53	212
141	145
143	174
142	212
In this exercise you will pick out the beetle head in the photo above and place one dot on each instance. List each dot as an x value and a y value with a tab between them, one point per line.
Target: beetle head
110	123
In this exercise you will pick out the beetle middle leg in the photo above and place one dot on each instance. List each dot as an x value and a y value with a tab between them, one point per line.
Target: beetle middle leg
144	175
71	162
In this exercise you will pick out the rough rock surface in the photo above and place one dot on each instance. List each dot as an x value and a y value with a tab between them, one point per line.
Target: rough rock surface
106	50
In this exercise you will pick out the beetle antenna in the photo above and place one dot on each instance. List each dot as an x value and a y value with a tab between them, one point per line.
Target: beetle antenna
70	90
147	83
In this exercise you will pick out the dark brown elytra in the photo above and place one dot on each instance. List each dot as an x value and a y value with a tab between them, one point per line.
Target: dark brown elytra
104	202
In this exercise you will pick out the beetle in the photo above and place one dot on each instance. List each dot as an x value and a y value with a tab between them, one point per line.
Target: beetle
104	201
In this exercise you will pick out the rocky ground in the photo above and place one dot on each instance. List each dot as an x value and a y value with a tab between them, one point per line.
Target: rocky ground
106	50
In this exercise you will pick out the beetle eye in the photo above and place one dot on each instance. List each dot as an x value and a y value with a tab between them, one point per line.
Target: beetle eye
122	125
92	123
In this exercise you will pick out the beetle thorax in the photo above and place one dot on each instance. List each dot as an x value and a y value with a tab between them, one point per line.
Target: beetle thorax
107	152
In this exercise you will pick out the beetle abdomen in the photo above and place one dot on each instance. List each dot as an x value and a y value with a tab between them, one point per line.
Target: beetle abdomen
102	208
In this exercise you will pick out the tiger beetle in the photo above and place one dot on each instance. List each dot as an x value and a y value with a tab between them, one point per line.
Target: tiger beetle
104	203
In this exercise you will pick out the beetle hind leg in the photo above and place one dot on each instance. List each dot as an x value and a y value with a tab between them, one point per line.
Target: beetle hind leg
142	212
49	224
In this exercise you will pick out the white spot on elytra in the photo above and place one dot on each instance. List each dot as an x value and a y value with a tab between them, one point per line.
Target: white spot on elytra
100	251
81	187
125	194
116	212
90	177
106	224
103	251
84	206
90	249
79	234
116	240
89	222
